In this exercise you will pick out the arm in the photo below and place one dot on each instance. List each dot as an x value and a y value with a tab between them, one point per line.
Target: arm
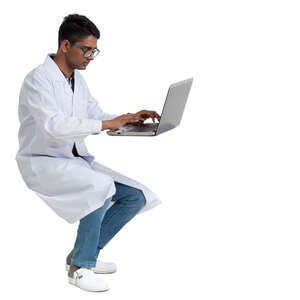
37	97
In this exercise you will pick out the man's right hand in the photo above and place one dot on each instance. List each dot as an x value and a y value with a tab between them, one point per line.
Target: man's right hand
118	122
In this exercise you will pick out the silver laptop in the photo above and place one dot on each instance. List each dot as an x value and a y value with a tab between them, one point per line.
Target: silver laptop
170	117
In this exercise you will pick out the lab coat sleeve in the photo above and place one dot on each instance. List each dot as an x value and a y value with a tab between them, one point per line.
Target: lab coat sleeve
95	111
38	98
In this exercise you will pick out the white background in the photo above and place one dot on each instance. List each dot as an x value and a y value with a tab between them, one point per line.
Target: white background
228	176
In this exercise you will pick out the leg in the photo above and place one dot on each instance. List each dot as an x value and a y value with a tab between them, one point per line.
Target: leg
85	248
128	202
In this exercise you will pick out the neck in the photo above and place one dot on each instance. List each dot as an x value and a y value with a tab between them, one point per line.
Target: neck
62	64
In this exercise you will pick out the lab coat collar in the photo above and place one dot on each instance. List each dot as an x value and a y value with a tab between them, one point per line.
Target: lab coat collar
54	69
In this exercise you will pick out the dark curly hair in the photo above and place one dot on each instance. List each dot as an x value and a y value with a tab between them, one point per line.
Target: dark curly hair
76	27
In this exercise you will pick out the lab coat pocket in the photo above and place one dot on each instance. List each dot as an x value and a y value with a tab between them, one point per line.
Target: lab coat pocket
49	173
58	147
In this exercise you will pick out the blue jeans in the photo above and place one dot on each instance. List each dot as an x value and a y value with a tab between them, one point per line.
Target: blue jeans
97	228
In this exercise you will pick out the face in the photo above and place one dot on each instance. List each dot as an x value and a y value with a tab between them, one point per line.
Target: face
75	56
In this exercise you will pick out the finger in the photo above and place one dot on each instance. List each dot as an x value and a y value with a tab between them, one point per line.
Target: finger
135	119
154	116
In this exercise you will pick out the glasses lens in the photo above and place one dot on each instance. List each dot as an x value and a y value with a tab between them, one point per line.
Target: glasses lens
94	51
97	51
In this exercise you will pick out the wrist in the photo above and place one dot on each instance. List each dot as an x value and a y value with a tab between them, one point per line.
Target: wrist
105	125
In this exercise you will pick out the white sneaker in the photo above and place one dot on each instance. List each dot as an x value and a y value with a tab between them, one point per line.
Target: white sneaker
101	267
87	280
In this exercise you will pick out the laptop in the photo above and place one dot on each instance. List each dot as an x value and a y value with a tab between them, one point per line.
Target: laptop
170	117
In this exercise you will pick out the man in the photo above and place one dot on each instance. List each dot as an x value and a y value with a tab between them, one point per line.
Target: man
57	112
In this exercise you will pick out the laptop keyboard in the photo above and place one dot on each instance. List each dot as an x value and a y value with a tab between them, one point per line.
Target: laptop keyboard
145	127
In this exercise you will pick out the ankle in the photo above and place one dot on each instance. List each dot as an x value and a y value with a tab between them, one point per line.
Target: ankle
72	269
69	257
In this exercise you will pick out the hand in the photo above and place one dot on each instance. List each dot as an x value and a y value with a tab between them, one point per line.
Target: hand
118	122
145	114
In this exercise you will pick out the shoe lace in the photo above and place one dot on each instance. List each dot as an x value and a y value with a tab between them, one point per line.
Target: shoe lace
77	275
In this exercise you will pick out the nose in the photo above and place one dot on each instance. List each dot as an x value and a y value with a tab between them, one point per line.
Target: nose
91	57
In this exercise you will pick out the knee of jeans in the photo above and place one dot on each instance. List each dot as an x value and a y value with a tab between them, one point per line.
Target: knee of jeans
141	198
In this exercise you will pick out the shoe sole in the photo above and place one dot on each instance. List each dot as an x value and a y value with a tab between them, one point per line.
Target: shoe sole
68	267
71	281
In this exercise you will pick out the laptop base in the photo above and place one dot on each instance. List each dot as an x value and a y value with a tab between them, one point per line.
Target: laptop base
145	129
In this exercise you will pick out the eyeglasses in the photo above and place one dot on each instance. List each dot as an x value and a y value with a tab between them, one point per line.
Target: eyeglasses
87	53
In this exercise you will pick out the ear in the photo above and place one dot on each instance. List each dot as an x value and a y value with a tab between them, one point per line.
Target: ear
65	46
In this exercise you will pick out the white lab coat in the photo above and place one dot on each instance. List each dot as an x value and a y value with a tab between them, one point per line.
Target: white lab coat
52	118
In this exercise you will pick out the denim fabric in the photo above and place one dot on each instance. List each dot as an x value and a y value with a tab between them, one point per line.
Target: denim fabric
97	228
